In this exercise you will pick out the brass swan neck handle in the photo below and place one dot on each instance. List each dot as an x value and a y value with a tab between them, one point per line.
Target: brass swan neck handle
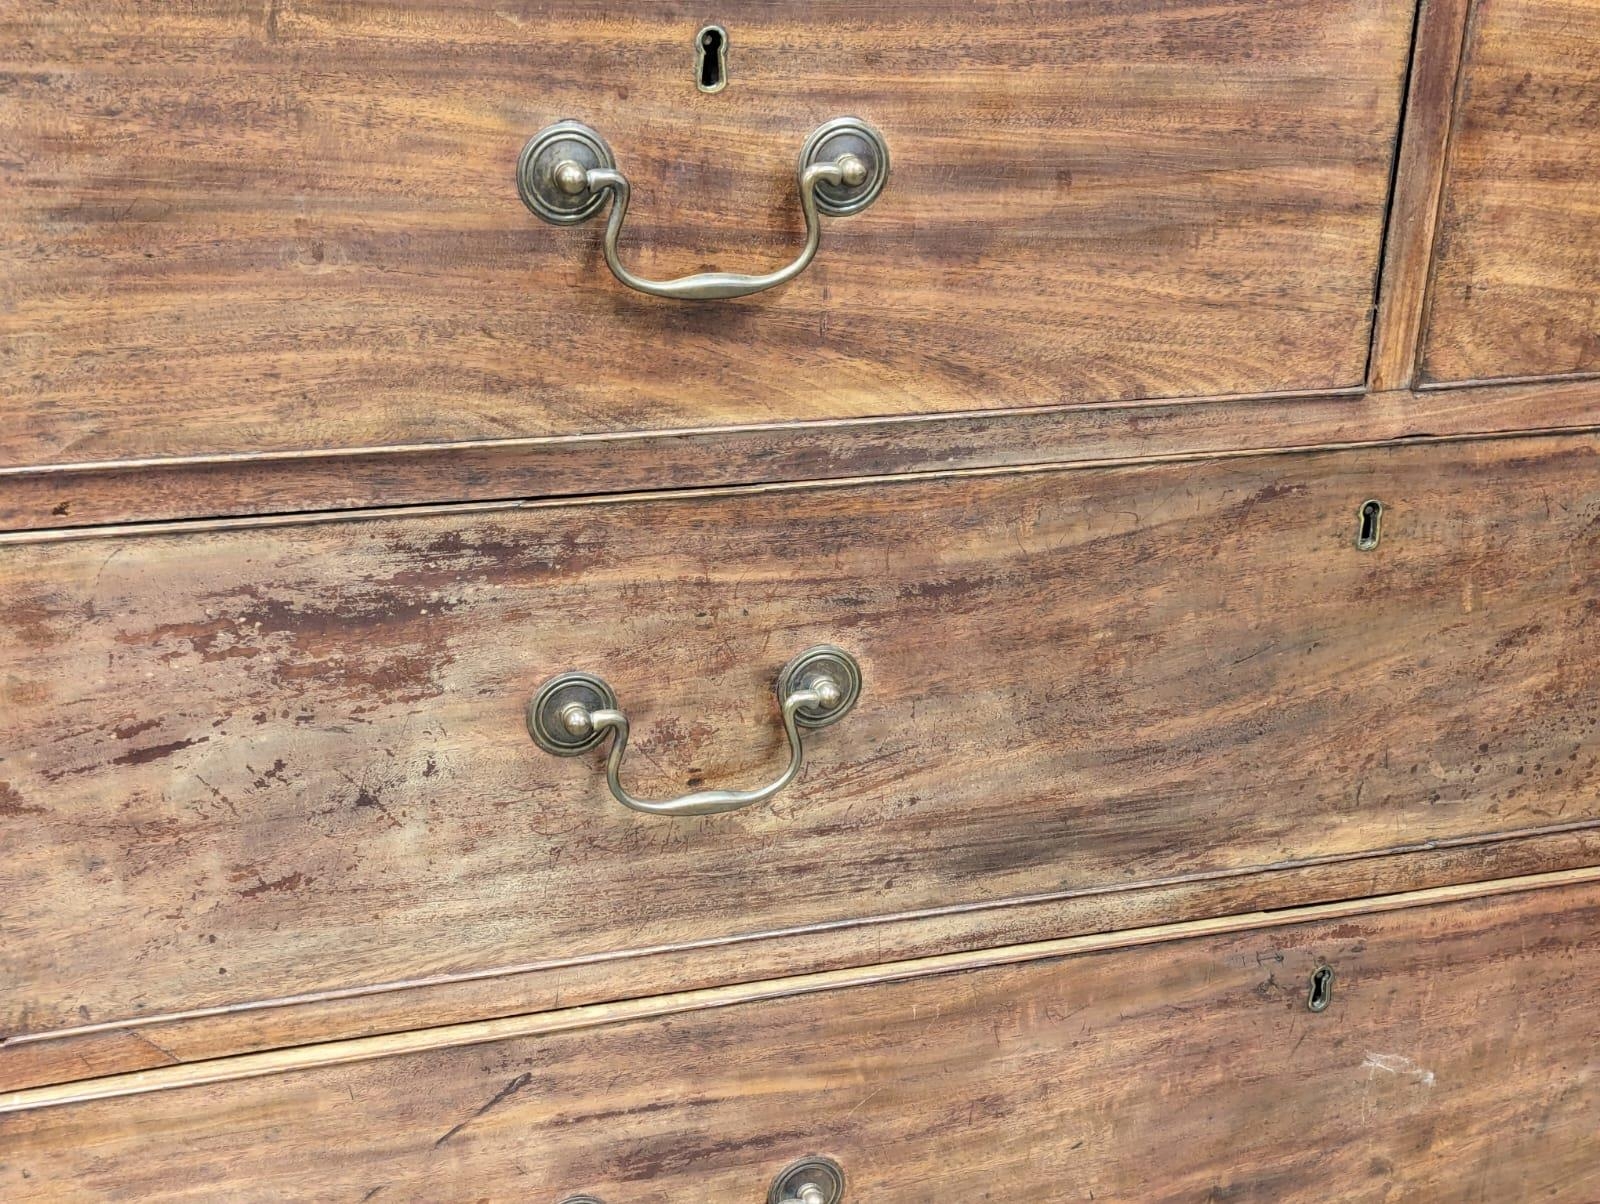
567	171
573	712
714	286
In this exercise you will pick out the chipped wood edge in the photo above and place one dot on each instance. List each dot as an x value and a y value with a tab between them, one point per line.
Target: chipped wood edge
363	1049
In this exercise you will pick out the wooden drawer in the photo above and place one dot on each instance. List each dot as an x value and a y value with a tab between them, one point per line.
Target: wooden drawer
241	227
288	758
1455	1060
1517	272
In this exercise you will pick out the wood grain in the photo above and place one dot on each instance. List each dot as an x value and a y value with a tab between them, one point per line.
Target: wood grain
243	226
655	1007
1455	1063
1516	288
1418	182
286	758
146	491
284	1029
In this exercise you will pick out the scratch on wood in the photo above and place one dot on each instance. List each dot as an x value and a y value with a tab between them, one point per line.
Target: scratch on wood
1398	1065
505	1093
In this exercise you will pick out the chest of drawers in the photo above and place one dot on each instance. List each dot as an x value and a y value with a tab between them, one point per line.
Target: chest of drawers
1057	544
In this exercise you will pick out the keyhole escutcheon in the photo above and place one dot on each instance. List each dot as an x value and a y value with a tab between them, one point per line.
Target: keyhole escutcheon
1370	529
711	59
1321	993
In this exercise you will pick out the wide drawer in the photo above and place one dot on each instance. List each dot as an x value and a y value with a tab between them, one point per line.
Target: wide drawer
234	227
283	758
1453	1058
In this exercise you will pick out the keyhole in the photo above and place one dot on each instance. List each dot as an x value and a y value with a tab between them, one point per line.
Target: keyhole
1321	993
1371	529
711	58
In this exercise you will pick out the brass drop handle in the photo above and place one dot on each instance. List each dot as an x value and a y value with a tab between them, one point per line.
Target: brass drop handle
566	171
573	712
813	1180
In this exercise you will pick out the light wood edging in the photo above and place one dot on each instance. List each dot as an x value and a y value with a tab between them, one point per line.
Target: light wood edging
1419	185
248	459
1549	380
335	1053
62	497
55	1058
244	522
853	924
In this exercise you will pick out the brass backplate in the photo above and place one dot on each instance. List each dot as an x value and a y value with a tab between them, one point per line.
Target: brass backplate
847	136
815	1171
554	697
835	663
563	142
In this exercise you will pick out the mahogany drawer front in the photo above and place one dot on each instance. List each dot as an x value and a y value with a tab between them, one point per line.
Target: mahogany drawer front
1517	265
1455	1059
240	227
286	758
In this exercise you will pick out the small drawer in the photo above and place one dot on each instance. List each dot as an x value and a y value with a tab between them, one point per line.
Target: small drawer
292	758
278	227
1518	257
1436	1054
